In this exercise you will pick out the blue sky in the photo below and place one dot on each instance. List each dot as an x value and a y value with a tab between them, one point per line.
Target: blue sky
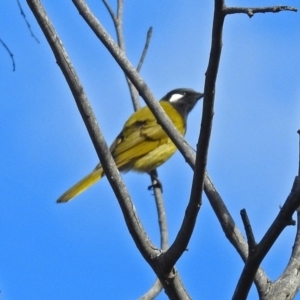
83	250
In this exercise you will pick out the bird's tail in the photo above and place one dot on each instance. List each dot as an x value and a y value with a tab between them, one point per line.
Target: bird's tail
82	185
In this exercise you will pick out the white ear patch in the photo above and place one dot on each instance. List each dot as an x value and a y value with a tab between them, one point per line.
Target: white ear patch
175	97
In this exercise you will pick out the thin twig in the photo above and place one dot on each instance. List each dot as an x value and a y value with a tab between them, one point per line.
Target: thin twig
161	212
110	10
27	23
254	10
118	23
249	232
9	53
147	43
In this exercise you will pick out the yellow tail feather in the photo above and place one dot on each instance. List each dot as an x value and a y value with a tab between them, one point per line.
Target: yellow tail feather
81	186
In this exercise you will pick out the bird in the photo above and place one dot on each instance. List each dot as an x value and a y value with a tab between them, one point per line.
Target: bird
142	144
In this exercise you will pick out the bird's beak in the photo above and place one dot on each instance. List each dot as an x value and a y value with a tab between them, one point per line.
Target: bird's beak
198	96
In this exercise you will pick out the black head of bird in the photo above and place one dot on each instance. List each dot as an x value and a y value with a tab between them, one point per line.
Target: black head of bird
183	99
142	145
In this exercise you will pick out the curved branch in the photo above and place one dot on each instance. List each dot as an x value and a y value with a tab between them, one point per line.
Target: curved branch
9	53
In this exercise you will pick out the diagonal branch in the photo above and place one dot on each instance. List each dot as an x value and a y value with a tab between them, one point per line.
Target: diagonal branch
27	23
232	232
145	50
135	227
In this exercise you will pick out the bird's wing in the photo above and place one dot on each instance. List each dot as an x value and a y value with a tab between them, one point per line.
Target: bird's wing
140	135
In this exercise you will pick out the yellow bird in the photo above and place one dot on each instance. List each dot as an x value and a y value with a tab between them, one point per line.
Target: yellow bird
142	144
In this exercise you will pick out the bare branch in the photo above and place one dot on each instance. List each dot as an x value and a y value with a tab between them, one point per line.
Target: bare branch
118	23
149	35
185	232
249	232
161	212
254	10
283	219
141	239
27	23
287	285
9	53
110	10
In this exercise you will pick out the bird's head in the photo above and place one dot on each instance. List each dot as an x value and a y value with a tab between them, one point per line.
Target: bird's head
183	100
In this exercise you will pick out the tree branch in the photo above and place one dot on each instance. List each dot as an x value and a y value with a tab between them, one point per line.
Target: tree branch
118	23
283	219
254	10
27	23
249	232
186	230
141	239
10	54
145	50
